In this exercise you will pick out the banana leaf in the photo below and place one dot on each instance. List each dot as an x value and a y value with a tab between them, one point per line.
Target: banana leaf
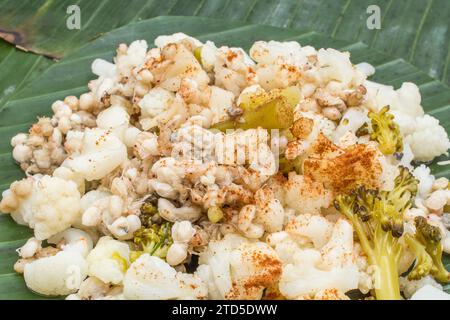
416	31
71	75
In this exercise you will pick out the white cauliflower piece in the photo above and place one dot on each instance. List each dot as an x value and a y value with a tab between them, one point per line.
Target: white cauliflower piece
62	273
101	153
103	68
366	68
410	287
69	175
114	118
426	180
220	102
150	278
133	57
305	195
428	140
429	292
208	55
92	196
273	51
48	205
406	123
407	157
154	106
304	278
334	65
426	137
351	121
174	63
236	268
94	289
233	70
321	125
389	171
308	271
109	260
315	228
162	41
270	212
128	61
405	100
279	64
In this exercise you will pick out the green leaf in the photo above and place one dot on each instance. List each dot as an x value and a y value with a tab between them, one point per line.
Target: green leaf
71	75
413	30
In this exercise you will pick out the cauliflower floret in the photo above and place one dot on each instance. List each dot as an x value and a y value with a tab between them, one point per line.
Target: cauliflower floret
233	70
321	125
315	228
304	278
308	271
103	68
154	106
236	268
334	65
429	139
174	63
69	175
365	68
406	123
305	195
150	278
101	153
426	180
351	121
46	204
220	102
208	55
407	157
63	272
111	212
279	64
273	51
426	137
114	118
94	289
125	76
270	212
164	40
109	260
344	169
133	57
410	287
405	100
429	292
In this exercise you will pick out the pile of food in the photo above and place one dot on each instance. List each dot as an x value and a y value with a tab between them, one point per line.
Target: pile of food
190	171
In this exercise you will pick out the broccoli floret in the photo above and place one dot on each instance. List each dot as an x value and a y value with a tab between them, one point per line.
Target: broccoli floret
148	214
377	218
385	131
154	240
397	201
426	244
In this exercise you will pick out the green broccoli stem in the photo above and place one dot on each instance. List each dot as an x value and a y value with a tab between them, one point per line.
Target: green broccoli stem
387	287
384	254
